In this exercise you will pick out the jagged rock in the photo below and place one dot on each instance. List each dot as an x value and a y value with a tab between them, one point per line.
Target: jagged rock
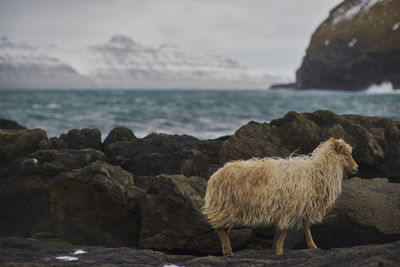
24	189
169	154
15	144
355	47
10	125
375	141
96	205
172	218
367	212
84	138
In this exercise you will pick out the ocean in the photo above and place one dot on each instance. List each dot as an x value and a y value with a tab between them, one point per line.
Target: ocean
204	114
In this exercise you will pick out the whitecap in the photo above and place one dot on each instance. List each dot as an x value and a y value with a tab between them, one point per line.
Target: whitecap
79	251
53	106
383	88
352	43
66	258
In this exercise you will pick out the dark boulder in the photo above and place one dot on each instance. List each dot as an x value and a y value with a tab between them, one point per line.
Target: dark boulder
10	125
375	141
169	154
84	138
172	219
367	212
96	205
15	144
378	147
119	134
24	189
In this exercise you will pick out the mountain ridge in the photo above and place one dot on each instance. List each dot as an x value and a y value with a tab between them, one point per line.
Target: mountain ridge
122	62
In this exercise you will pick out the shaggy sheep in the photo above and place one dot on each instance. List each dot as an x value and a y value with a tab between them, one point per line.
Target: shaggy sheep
285	192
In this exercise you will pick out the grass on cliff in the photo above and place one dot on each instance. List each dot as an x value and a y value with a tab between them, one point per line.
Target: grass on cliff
373	29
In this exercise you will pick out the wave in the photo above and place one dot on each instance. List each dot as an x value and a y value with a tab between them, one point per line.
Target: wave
383	88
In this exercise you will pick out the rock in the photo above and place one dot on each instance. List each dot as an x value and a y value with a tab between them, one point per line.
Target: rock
166	154
15	144
31	252
172	219
371	255
252	140
367	212
119	134
378	149
51	162
25	188
28	252
84	138
10	125
283	86
57	143
355	47
375	141
96	205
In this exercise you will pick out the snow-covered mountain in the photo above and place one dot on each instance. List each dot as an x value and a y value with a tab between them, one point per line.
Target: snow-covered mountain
25	65
122	63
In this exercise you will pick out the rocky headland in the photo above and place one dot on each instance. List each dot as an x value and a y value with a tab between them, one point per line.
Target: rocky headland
129	200
355	47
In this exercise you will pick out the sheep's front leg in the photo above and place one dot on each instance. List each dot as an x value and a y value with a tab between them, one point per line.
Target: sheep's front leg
223	234
309	239
280	242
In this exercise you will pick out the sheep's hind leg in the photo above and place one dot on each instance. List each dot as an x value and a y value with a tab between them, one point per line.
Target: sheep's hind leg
309	239
223	234
280	242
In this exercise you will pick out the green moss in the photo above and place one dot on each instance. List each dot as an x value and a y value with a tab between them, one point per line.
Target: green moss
196	152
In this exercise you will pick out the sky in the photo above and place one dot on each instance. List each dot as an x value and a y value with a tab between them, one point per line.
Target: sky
263	34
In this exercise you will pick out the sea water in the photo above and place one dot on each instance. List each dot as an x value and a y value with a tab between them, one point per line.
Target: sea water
200	113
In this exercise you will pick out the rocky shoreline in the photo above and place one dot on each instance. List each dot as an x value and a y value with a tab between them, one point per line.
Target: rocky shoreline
143	196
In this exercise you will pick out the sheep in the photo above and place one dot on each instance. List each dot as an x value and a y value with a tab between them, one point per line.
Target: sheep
285	192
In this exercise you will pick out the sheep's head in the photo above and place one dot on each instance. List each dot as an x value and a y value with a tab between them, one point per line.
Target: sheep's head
344	150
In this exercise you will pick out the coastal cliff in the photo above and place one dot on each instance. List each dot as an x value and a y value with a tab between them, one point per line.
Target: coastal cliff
357	46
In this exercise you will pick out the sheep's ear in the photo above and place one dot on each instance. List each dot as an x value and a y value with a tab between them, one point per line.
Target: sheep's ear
339	147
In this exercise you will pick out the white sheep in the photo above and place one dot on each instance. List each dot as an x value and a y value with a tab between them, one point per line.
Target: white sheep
285	192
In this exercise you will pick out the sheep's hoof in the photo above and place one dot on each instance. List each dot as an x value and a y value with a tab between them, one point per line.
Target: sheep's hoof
312	246
279	252
229	254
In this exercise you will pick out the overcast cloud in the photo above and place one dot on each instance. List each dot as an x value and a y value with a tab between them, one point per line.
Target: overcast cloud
266	34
